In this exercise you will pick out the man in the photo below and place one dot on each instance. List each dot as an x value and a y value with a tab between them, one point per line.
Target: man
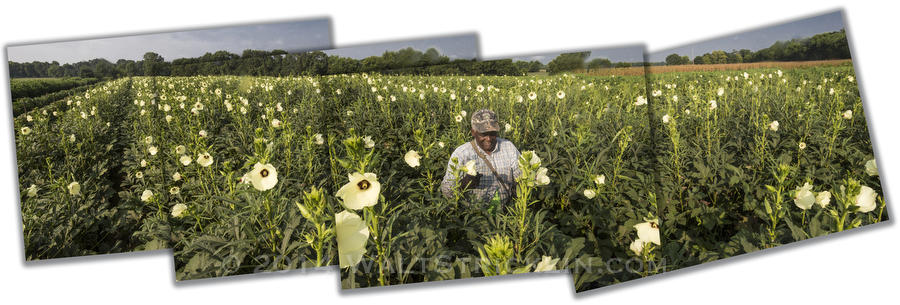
496	161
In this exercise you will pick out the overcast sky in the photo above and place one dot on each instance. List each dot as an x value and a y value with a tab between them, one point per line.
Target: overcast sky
463	46
759	38
629	53
291	36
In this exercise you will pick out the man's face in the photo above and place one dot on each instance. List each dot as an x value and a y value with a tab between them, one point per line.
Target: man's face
485	140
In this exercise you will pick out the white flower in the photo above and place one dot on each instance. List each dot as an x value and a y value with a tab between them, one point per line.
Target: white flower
71	138
637	246
203	133
470	168
507	127
176	176
712	105
319	139
774	126
547	263
352	236
412	158
32	190
458	118
866	199
174	190
26	131
560	94
276	123
463	113
139	175
480	88
823	198
29	118
641	100
441	144
666	118
721	91
802	145
541	177
146	195
362	191
804	198
871	168
168	118
600	180
532	95
178	210
648	231
263	176
152	150
848	114
687	111
204	159
180	149
185	160
590	194
74	188
368	141
148	140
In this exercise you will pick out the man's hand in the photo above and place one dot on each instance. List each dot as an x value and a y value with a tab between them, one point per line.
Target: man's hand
469	181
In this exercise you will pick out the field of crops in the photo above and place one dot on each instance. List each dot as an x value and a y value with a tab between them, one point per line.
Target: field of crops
754	159
590	133
241	174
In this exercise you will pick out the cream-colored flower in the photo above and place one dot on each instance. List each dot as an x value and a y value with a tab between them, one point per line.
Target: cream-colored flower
146	195
600	180
180	149
774	126
713	105
204	159
532	95
637	246
276	123
804	198
666	118
648	231
32	190
823	199
263	176
176	176
866	199
185	160
26	131
547	263
720	91
174	190
412	158
590	194
203	133
362	191
641	100
74	188
560	94
178	210
847	114
152	150
470	168
802	145
319	139
871	168
541	177
139	175
368	141
352	236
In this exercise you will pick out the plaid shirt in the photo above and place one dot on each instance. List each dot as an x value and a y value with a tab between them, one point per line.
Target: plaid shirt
505	159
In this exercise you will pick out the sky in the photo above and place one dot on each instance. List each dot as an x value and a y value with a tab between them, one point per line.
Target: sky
629	53
291	36
759	38
463	46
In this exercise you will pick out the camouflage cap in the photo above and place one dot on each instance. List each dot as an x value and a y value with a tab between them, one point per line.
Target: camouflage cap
485	120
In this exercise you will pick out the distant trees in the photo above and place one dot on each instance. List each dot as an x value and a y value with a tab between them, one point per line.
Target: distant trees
567	62
831	45
598	63
249	62
674	60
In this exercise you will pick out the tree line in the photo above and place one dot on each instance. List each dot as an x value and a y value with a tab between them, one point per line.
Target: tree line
831	45
250	62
